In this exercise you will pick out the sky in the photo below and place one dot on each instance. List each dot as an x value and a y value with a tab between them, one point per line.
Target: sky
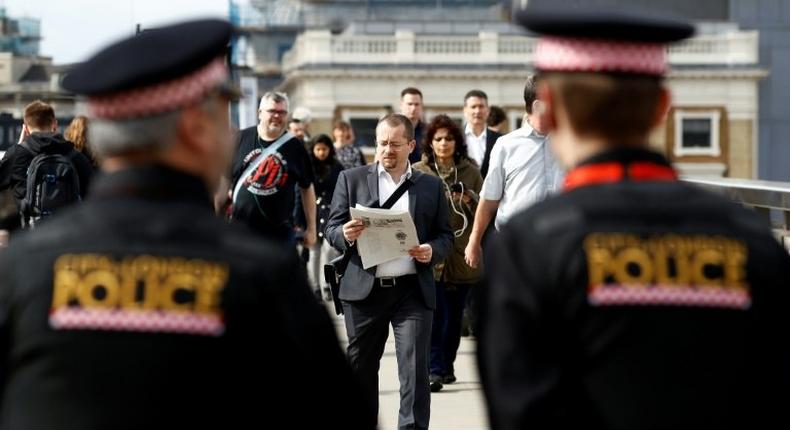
72	30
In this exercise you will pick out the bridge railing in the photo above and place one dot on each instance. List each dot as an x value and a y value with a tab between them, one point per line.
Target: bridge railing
768	198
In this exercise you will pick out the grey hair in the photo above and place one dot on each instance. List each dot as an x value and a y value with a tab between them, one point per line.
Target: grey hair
151	133
276	97
145	134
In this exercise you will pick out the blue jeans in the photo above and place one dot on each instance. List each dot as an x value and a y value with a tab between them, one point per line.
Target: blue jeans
446	331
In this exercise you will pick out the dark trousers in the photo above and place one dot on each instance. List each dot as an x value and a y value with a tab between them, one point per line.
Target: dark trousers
446	332
472	302
367	325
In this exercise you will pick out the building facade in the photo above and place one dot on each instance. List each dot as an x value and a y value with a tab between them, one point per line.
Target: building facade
349	59
269	28
21	36
771	19
26	76
711	130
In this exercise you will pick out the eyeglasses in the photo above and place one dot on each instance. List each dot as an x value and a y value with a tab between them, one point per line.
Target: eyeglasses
273	112
393	146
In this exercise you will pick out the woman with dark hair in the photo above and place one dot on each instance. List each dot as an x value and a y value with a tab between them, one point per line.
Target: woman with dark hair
444	154
327	169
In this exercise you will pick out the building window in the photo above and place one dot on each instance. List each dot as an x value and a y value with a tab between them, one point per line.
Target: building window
282	49
363	122
697	133
364	131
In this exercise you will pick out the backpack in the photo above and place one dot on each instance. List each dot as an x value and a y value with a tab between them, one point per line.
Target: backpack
52	183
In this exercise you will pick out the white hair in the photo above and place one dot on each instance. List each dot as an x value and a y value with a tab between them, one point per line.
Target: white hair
303	114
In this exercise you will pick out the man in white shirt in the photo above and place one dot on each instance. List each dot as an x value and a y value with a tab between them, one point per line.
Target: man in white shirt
522	172
479	138
400	292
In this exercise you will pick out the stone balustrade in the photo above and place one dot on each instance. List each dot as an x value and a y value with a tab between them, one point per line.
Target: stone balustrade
321	47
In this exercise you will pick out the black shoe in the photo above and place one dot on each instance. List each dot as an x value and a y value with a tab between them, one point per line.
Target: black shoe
449	378
436	383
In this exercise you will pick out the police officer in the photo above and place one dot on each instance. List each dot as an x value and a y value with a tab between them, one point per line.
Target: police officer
140	309
631	300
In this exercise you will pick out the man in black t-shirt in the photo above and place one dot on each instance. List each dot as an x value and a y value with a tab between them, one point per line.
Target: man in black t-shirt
265	198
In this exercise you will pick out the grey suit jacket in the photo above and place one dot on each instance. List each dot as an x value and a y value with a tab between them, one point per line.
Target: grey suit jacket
428	208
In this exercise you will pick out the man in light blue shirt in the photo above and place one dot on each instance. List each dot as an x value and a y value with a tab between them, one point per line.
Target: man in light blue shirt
522	172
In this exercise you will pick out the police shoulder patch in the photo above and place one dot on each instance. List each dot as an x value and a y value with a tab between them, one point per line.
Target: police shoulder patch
138	293
669	269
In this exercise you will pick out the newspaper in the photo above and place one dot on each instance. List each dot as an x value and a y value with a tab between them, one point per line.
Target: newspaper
388	234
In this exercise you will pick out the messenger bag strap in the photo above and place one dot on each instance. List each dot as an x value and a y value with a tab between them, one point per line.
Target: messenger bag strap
257	162
398	193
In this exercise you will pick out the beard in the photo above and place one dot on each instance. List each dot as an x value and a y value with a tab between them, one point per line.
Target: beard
275	128
388	163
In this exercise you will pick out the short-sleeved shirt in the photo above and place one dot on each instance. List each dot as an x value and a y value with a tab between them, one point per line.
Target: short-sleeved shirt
266	200
522	172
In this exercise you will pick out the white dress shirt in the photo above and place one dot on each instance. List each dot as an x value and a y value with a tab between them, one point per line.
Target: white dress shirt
476	145
522	171
401	265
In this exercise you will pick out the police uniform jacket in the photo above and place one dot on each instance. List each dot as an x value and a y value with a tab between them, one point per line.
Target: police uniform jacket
141	309
634	301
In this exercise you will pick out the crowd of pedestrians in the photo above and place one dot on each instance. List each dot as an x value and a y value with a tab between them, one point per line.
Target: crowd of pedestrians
153	277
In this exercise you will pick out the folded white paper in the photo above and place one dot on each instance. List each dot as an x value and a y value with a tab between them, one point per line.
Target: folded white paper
388	234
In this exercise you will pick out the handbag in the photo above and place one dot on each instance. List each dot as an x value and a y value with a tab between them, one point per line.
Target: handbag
334	270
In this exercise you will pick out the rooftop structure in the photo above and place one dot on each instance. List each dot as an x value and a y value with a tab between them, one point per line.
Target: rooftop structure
21	36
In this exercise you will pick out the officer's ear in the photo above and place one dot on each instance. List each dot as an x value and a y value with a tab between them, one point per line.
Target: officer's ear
662	107
544	107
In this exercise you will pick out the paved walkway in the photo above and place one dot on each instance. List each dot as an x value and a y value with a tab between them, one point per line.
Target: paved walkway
458	406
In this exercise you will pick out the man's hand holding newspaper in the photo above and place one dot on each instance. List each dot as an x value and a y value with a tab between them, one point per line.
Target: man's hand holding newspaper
383	235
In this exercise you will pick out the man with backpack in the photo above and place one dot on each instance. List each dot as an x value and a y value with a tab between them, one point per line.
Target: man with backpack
44	170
